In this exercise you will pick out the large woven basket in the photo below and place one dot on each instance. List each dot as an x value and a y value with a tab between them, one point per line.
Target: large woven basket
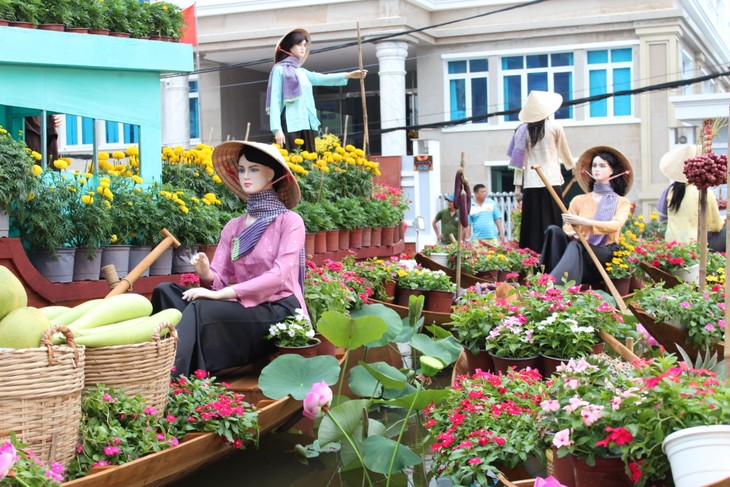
138	369
40	396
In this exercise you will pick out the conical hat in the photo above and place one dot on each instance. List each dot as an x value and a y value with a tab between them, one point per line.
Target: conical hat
306	53
540	105
672	163
586	159
225	163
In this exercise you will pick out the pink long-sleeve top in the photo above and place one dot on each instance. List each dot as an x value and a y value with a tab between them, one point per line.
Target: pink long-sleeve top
269	272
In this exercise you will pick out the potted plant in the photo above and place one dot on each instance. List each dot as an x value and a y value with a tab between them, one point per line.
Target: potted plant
487	425
89	215
18	175
672	257
56	13
294	335
166	19
26	11
324	292
116	12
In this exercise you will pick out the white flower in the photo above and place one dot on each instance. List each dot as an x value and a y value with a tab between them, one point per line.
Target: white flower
281	326
310	333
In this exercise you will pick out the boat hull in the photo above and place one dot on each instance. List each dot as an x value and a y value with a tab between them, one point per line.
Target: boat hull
467	280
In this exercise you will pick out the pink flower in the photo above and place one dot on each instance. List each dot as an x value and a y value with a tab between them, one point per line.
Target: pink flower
475	461
7	458
709	327
573	404
170	418
591	413
685	304
562	438
572	383
201	374
550	406
110	451
102	463
108	398
150	411
548	482
319	398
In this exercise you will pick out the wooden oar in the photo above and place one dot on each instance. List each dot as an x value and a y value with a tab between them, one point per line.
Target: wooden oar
120	286
567	188
366	136
616	345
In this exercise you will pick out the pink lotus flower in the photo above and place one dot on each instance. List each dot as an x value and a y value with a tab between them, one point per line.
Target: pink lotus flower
7	458
319	398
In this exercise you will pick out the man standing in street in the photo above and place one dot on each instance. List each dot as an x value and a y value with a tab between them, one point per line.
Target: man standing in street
449	219
485	218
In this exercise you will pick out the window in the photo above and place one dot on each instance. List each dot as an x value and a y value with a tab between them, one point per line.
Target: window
467	81
80	133
609	71
544	72
194	100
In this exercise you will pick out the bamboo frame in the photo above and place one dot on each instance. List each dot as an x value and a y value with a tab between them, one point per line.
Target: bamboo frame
617	346
366	136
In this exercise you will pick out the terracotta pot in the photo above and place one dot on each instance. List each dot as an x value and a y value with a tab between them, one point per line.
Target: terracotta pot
403	295
389	289
563	469
482	361
607	472
99	32
320	243
56	27
550	364
344	236
502	364
622	285
489	276
598	348
355	238
120	34
23	25
439	301
636	283
307	351
309	244
333	240
502	276
77	30
325	346
376	240
367	234
388	236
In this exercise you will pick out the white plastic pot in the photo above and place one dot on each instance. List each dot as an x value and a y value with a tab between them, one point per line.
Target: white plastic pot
698	455
440	258
689	274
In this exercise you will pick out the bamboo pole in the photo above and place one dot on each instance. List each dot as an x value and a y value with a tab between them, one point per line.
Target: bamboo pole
616	345
727	295
702	207
460	231
344	132
248	130
124	284
366	136
567	188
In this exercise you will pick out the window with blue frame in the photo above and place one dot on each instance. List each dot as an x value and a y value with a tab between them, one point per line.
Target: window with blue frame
80	132
609	71
194	101
467	82
543	72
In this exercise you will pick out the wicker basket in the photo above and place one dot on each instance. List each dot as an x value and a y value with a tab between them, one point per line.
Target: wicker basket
40	396
139	369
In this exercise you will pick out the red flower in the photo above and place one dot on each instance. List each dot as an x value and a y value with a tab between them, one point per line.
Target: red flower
201	374
618	436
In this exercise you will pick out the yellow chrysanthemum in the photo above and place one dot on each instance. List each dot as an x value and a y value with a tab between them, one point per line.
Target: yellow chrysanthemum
35	155
103	156
132	151
299	141
118	155
216	179
36	170
60	164
114	239
137	179
87	199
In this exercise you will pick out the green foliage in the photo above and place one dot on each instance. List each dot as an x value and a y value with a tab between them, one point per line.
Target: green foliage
353	214
116	12
350	333
165	18
293	374
88	212
16	170
26	10
28	469
55	12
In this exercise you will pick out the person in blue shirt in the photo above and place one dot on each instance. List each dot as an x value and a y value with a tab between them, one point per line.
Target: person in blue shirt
485	218
289	95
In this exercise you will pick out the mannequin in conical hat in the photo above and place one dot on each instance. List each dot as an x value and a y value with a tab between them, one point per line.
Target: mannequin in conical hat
289	95
539	141
605	175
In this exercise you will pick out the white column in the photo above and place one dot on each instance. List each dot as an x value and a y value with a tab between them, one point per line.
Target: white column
175	111
392	71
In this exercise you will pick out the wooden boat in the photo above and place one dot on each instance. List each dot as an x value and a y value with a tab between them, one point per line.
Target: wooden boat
659	275
670	337
197	450
467	280
430	317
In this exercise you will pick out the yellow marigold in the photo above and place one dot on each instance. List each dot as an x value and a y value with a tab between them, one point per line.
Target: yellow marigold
654	216
113	239
88	175
36	155
640	218
104	182
3	131
60	164
350	160
137	179
87	199
210	197
184	209
132	151
82	180
299	141
30	196
107	193
216	179
118	155
103	156
107	204
36	170
209	171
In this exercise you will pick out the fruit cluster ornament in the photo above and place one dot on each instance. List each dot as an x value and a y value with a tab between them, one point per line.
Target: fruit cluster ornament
706	170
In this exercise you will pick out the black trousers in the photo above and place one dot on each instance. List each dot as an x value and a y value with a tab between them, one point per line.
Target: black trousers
562	255
217	334
539	211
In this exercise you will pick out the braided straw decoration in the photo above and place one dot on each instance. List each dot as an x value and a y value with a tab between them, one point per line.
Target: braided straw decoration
40	396
138	369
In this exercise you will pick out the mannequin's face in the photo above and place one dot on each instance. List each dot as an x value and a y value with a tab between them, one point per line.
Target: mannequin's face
254	177
601	170
299	50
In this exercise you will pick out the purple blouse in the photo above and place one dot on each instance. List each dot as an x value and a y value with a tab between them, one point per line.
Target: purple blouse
269	272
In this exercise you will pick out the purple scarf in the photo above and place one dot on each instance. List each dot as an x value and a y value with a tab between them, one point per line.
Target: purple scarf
605	211
291	88
518	147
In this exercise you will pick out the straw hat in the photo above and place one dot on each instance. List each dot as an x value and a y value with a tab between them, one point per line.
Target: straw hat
586	159
540	105
279	55
672	163
225	163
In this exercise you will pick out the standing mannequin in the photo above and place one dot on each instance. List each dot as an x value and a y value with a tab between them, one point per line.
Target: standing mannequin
289	96
538	142
257	272
449	219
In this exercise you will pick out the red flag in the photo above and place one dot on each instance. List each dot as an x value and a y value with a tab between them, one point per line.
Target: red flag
190	34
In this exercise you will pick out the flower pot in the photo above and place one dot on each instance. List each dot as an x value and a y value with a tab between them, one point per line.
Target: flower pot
120	34
56	27
99	32
389	289
622	285
55	268
310	350
344	239
480	361
333	240
607	472
355	238
325	346
376	240
136	255
309	244
367	235
698	455
562	468
320	242
403	295
181	260
118	256
441	258
598	347
689	274
388	236
489	276
439	301
502	364
4	224
208	250
163	265
636	283
551	364
507	276
23	25
87	264
78	30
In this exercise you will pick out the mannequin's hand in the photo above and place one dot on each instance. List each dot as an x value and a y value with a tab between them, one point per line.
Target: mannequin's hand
357	74
518	194
280	138
576	220
198	293
201	264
